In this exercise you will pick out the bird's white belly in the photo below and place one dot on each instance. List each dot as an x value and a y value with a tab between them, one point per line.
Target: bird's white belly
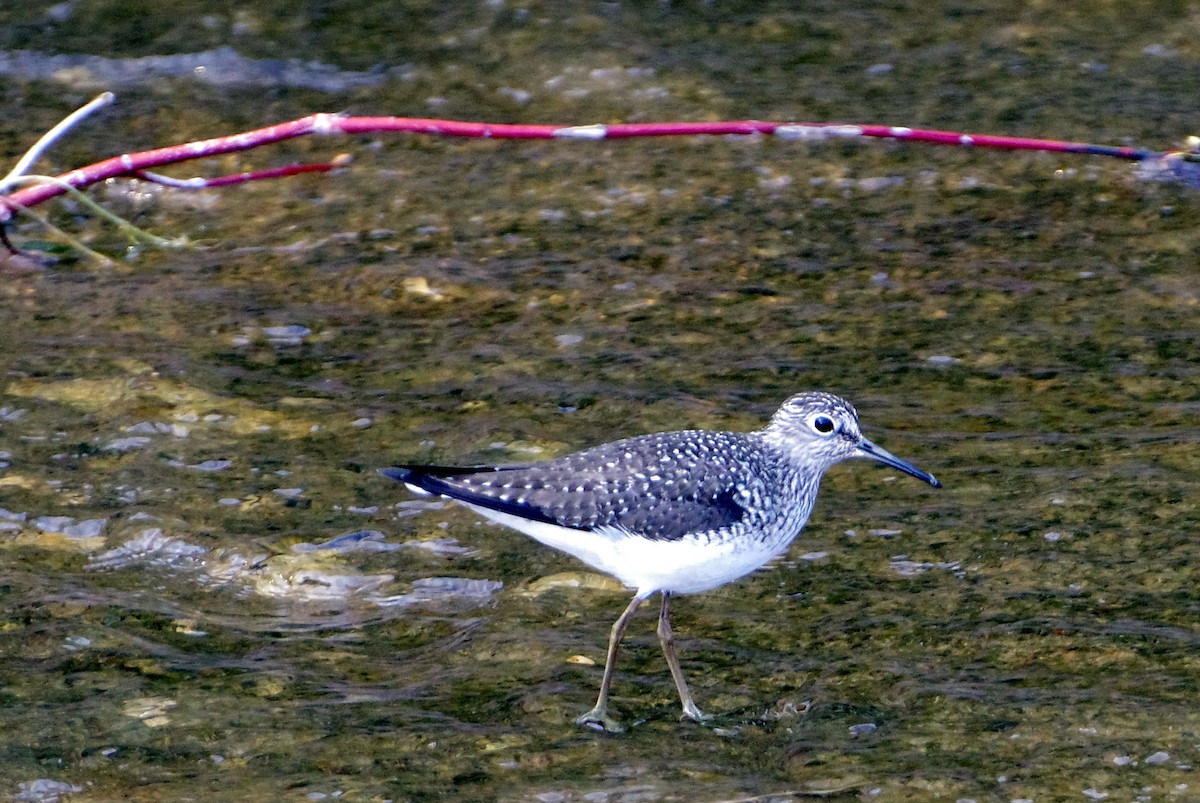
684	566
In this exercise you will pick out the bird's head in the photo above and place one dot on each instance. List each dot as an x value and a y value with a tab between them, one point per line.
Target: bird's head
819	430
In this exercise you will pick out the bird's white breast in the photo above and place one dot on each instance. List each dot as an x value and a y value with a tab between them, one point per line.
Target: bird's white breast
682	566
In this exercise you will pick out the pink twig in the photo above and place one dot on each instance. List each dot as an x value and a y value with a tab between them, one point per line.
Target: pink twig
1181	164
200	183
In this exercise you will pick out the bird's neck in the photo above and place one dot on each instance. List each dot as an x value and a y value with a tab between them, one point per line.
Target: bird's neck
803	474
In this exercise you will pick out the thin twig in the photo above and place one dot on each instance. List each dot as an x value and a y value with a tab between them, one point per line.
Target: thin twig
131	231
51	136
1182	165
133	163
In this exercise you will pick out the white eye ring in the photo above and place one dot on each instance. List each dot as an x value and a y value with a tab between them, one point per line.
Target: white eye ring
823	425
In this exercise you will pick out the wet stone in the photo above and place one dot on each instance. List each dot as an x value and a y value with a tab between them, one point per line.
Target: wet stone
211	465
44	790
128	444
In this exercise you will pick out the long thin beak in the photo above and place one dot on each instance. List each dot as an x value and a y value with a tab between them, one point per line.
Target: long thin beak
868	449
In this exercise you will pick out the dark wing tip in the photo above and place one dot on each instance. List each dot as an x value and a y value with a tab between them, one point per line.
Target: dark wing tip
439	481
397	473
406	472
428	478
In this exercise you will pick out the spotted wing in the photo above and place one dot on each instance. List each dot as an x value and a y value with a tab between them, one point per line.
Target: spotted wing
648	486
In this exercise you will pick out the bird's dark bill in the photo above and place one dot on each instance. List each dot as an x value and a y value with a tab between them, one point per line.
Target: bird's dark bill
868	449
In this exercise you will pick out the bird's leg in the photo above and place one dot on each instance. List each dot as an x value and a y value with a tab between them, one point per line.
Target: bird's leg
599	713
666	637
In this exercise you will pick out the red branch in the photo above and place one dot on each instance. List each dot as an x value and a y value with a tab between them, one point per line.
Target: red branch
134	164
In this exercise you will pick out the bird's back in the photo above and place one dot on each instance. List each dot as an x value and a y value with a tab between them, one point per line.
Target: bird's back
661	487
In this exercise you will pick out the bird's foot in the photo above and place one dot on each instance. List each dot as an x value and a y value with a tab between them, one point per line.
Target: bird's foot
690	711
599	719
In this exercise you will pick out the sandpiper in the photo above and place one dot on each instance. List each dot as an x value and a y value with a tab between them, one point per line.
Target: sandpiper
674	512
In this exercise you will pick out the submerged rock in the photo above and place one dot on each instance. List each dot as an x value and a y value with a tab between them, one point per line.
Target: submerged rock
151	547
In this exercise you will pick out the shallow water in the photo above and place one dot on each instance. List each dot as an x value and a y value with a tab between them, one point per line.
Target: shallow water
208	593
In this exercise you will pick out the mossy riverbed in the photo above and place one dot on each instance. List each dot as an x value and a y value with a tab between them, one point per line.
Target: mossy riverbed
208	593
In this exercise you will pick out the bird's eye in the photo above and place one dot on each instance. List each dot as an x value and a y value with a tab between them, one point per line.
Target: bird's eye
823	424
